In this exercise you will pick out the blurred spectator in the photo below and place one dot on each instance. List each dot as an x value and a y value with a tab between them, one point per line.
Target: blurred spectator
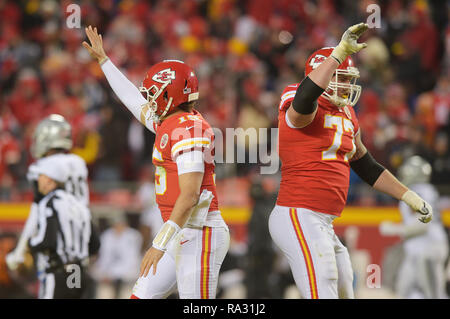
87	142
441	161
113	143
117	266
10	156
243	53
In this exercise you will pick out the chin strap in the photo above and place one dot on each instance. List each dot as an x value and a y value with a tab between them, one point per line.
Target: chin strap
338	101
169	104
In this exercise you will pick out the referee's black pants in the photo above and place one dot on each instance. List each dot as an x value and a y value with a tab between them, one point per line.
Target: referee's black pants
62	284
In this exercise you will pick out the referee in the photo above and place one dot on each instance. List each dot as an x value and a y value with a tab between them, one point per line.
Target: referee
65	237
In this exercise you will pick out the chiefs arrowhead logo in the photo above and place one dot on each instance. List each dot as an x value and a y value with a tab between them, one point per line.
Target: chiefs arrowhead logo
164	76
317	60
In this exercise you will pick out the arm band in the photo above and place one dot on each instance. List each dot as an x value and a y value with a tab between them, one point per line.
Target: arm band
367	168
305	100
190	162
168	231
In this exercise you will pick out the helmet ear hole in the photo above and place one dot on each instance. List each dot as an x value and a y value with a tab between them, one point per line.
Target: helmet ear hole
166	96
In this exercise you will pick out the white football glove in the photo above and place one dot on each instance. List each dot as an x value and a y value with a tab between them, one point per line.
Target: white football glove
418	205
14	259
349	44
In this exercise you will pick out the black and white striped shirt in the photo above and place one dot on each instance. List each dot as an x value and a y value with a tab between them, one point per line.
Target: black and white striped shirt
64	234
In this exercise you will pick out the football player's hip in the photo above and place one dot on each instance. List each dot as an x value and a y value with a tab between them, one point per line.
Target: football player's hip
324	202
322	208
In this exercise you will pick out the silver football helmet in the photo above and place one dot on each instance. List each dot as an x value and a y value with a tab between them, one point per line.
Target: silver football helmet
53	132
415	170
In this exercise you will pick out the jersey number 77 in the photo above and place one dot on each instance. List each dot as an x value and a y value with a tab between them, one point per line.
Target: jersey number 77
341	125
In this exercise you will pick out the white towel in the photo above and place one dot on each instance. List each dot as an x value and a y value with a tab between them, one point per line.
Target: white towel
200	211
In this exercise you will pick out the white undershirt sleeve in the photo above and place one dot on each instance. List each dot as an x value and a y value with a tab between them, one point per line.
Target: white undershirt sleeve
289	123
126	91
190	162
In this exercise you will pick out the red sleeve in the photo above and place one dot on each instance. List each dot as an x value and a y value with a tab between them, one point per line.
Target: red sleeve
287	97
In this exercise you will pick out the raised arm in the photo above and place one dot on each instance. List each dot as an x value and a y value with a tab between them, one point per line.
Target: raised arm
125	90
304	106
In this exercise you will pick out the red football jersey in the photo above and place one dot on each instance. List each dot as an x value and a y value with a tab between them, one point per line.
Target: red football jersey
178	134
315	167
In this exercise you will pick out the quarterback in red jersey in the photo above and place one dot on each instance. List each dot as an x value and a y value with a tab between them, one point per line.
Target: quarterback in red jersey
175	137
191	245
319	141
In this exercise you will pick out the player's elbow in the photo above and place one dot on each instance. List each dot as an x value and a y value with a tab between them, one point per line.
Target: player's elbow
190	185
297	120
190	197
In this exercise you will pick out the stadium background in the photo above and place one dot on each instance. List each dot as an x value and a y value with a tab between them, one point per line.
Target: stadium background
244	53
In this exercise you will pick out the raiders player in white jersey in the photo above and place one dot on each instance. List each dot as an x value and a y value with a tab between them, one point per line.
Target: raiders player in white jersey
422	272
52	137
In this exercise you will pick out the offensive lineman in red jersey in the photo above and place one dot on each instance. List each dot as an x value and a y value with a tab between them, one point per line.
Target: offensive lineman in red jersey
319	140
191	245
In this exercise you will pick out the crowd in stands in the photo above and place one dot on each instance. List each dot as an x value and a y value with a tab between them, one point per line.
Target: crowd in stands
244	53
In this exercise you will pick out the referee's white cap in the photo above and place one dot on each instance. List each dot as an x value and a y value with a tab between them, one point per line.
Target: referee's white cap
52	167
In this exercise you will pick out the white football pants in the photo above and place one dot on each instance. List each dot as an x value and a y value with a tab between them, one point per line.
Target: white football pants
191	264
319	262
425	272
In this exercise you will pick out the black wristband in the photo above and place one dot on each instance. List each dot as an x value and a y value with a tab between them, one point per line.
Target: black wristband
305	100
367	168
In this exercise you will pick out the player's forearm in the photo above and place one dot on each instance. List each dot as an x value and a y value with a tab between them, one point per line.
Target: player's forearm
375	174
178	218
183	207
29	228
389	184
309	90
324	72
125	90
304	105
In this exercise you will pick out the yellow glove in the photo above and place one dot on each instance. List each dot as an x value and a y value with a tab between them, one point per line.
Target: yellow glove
349	44
418	205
